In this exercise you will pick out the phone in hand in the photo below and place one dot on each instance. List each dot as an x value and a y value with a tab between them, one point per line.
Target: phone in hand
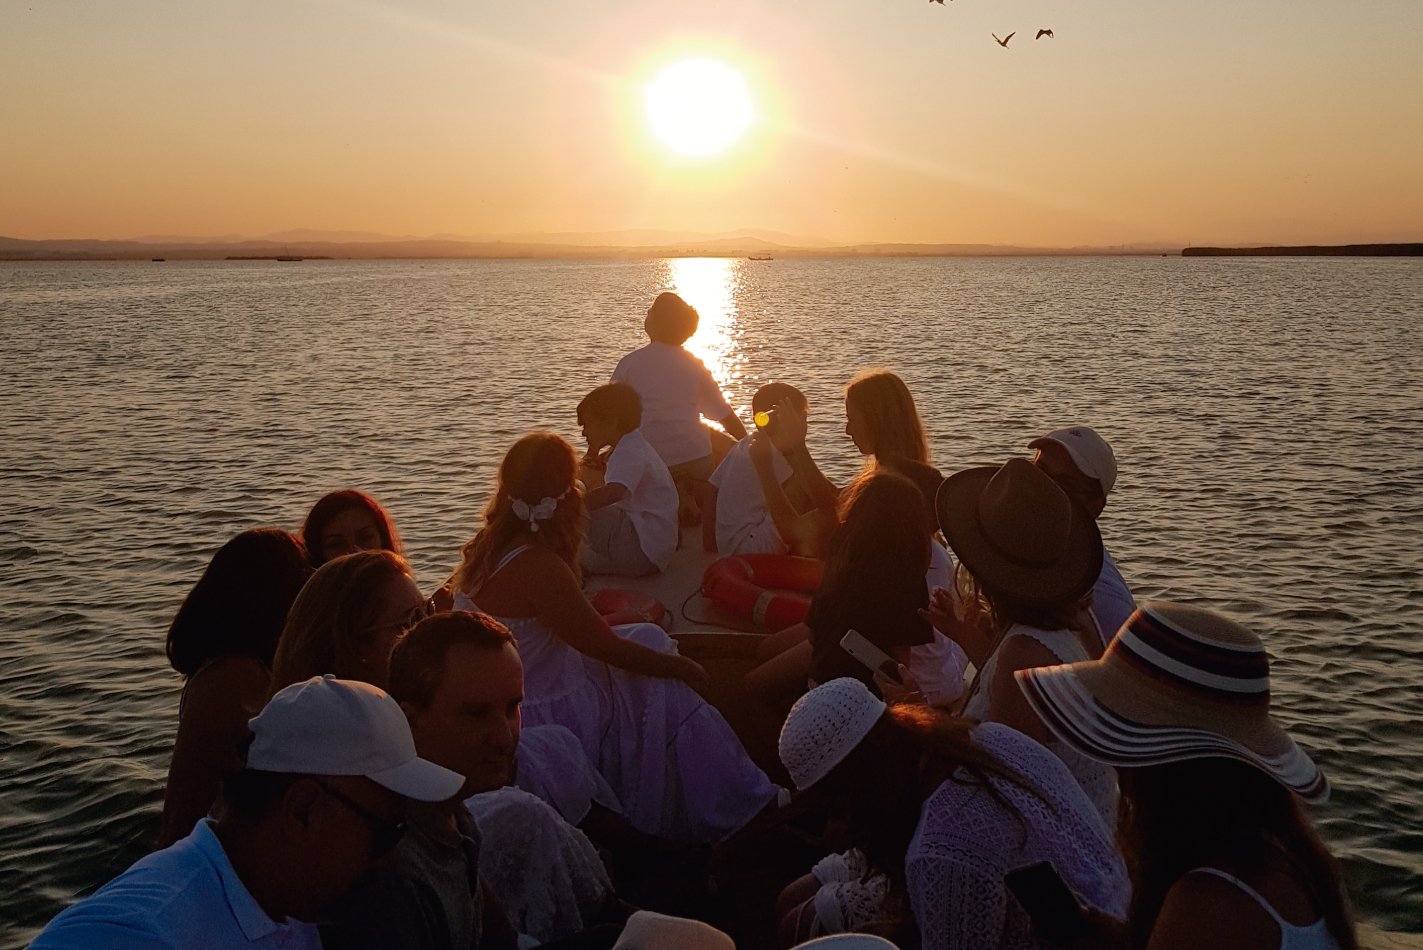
858	646
1056	913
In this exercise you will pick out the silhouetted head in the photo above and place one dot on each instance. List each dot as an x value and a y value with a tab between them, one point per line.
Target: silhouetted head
609	412
347	521
881	418
238	606
671	319
772	395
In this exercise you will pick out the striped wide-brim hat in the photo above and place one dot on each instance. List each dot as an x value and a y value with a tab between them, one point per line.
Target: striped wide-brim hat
1176	683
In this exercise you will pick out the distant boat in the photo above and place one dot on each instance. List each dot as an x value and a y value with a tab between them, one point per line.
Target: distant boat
159	260
759	257
290	258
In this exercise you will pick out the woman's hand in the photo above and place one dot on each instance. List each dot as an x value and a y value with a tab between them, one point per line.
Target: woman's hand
905	691
690	672
943	616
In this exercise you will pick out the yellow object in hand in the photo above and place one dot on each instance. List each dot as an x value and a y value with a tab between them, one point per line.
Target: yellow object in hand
762	419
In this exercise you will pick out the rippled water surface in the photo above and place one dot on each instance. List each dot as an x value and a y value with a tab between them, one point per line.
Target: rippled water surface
1267	417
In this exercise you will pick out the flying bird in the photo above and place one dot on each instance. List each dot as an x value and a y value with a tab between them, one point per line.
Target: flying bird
1004	42
1042	33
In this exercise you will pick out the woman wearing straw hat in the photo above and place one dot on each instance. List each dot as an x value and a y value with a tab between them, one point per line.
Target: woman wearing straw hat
1221	854
1028	558
940	810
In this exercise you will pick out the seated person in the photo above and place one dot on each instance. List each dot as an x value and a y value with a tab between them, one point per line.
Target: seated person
735	516
632	517
677	391
319	802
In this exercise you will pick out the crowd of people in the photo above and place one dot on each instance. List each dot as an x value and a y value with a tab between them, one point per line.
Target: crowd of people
1033	760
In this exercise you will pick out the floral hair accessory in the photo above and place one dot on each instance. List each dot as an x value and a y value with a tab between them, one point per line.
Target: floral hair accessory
533	514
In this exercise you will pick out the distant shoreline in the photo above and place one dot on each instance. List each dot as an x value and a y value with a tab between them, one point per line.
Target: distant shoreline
1310	250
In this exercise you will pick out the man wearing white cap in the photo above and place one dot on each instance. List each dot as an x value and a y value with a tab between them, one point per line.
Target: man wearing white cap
1083	465
319	801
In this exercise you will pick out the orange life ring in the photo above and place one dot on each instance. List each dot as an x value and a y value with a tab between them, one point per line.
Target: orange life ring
771	590
629	606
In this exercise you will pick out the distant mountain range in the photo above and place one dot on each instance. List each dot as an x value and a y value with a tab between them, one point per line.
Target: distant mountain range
591	244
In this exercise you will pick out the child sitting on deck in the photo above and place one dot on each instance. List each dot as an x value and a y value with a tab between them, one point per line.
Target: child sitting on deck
632	523
736	518
677	390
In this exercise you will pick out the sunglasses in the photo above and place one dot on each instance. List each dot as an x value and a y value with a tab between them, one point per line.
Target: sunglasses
385	832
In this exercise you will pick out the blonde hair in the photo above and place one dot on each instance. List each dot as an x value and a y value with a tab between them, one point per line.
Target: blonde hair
888	407
328	625
538	466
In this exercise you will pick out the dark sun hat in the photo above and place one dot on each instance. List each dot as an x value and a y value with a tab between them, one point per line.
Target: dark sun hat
1176	683
1018	533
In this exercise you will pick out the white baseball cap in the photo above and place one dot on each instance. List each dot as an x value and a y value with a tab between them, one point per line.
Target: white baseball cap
824	726
1090	453
327	726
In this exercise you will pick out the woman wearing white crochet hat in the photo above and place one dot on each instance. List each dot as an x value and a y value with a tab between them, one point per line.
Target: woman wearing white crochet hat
940	811
1221	854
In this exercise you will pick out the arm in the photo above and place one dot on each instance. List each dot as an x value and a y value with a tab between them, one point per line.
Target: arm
955	905
787	431
609	494
732	425
970	636
218	702
782	513
1010	706
1201	910
709	519
562	608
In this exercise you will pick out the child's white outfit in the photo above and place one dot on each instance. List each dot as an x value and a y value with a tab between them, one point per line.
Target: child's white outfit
636	535
677	390
743	525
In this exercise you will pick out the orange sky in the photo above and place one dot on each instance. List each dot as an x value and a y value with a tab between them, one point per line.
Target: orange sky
1213	121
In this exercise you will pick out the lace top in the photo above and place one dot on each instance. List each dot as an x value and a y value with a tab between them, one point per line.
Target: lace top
966	842
1099	781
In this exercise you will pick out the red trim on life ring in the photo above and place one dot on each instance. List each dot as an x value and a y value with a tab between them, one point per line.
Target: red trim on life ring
628	606
770	590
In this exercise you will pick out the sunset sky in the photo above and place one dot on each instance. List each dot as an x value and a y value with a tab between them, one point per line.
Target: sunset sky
1198	121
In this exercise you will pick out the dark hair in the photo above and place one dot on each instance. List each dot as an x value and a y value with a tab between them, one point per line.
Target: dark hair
1222	813
880	784
671	319
773	394
617	402
538	466
328	623
418	659
238	606
874	570
889	408
995	611
336	503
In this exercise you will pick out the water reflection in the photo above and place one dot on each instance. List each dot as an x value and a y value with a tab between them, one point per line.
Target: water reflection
710	284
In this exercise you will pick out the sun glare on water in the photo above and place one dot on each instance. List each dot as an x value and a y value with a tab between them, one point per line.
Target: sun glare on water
699	107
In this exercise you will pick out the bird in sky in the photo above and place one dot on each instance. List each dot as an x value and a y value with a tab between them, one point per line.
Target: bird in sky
1004	42
1042	33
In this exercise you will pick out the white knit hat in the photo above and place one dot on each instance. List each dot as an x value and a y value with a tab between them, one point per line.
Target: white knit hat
824	726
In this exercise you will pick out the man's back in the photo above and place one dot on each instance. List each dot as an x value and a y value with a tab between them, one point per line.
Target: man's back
676	391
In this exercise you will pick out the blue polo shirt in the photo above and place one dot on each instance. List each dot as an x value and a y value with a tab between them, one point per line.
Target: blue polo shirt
185	896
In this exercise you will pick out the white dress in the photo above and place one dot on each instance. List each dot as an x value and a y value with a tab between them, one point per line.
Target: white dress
1098	780
966	842
553	766
678	769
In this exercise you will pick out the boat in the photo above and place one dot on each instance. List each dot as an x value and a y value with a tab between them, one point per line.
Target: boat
159	260
759	257
290	258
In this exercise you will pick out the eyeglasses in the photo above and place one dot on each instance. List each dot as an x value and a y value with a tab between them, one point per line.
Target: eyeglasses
385	832
417	614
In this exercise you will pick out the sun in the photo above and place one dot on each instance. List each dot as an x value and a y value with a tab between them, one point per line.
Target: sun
699	107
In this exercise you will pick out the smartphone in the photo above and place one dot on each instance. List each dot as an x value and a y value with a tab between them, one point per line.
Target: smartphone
1050	904
875	659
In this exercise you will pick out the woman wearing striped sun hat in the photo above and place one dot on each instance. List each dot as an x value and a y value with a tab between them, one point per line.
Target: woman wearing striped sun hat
1219	850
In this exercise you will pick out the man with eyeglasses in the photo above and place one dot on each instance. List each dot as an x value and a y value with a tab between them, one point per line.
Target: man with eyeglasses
319	802
1083	465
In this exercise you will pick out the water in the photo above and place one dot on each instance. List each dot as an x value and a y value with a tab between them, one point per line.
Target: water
1267	417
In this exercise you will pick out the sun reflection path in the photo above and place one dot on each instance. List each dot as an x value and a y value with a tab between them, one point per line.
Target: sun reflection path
710	284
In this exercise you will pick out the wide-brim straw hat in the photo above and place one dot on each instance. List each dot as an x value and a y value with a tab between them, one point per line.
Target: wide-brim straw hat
1176	683
1020	534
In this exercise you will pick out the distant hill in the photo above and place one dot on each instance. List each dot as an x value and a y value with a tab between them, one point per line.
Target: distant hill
1309	250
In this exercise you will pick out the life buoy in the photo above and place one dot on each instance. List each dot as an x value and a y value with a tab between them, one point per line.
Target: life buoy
629	606
770	590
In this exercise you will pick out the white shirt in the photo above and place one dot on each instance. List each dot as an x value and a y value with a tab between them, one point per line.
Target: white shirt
1112	602
676	390
939	666
743	524
651	499
185	896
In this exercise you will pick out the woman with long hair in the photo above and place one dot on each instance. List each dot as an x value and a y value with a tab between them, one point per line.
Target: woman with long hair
346	521
882	420
1219	850
1028	557
222	640
938	811
347	618
673	762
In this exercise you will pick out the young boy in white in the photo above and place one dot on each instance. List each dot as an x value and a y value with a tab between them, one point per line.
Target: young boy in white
677	390
736	519
632	517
